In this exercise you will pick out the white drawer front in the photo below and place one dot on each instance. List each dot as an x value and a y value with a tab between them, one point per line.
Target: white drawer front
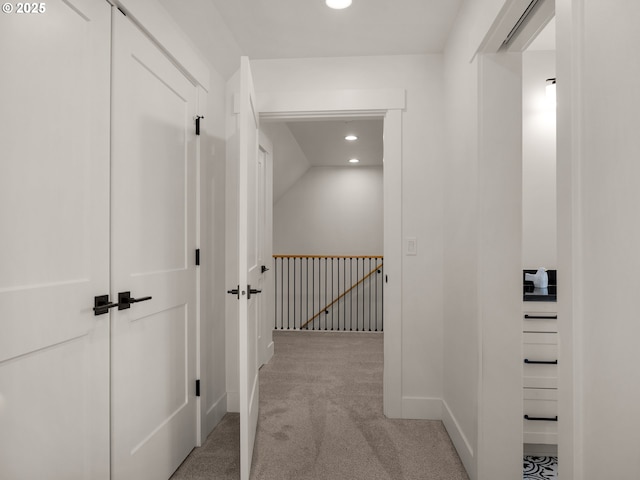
540	377
540	351
539	347
535	338
546	438
539	322
540	403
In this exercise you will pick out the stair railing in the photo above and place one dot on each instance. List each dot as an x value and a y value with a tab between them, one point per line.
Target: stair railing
329	293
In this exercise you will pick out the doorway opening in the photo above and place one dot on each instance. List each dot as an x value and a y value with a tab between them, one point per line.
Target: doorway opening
539	250
366	104
328	264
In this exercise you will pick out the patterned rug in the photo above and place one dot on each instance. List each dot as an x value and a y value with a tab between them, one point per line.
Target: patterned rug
540	468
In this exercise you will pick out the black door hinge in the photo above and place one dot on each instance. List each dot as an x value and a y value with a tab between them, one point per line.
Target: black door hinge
197	388
197	256
198	117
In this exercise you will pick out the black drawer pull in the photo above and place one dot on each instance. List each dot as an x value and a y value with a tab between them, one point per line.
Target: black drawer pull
540	362
541	317
541	419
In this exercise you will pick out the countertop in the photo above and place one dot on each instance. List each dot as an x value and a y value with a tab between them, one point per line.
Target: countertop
532	294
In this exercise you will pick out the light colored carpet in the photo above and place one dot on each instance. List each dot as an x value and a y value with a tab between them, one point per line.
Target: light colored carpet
321	418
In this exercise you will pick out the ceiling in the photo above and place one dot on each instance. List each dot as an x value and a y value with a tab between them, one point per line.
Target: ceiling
271	29
324	145
308	28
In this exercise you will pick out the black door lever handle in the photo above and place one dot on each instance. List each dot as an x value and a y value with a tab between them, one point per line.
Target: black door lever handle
252	290
125	300
141	299
101	305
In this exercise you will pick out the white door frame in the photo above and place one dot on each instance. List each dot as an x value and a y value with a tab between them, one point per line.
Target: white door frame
500	117
380	103
499	305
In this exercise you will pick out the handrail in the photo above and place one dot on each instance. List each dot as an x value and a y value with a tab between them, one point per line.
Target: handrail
304	282
327	256
345	292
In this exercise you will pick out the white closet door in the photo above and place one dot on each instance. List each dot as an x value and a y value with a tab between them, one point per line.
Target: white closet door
153	247
54	244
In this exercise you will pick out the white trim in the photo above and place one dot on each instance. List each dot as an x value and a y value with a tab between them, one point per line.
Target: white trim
459	439
214	414
156	23
392	192
570	27
378	100
508	17
499	251
422	408
201	97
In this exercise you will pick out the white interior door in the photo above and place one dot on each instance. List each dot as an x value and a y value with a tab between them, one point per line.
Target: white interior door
249	273
153	246
54	246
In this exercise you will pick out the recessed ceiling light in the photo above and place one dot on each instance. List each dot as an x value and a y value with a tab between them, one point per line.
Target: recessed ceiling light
338	4
354	160
351	138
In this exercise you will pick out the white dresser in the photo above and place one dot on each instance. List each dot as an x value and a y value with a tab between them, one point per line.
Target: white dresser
540	372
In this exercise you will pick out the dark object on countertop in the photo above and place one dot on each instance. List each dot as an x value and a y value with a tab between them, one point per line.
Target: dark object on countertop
532	294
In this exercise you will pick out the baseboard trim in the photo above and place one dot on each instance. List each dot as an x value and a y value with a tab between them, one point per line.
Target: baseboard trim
214	414
459	439
233	402
422	408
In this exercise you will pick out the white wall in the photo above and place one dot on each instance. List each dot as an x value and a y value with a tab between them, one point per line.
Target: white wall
202	23
465	259
422	182
599	164
539	233
331	211
289	161
597	196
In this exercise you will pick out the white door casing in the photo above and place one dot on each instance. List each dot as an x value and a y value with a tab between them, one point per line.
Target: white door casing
376	103
153	244
54	211
248	266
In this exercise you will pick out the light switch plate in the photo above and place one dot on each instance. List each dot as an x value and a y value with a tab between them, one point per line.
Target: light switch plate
411	246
